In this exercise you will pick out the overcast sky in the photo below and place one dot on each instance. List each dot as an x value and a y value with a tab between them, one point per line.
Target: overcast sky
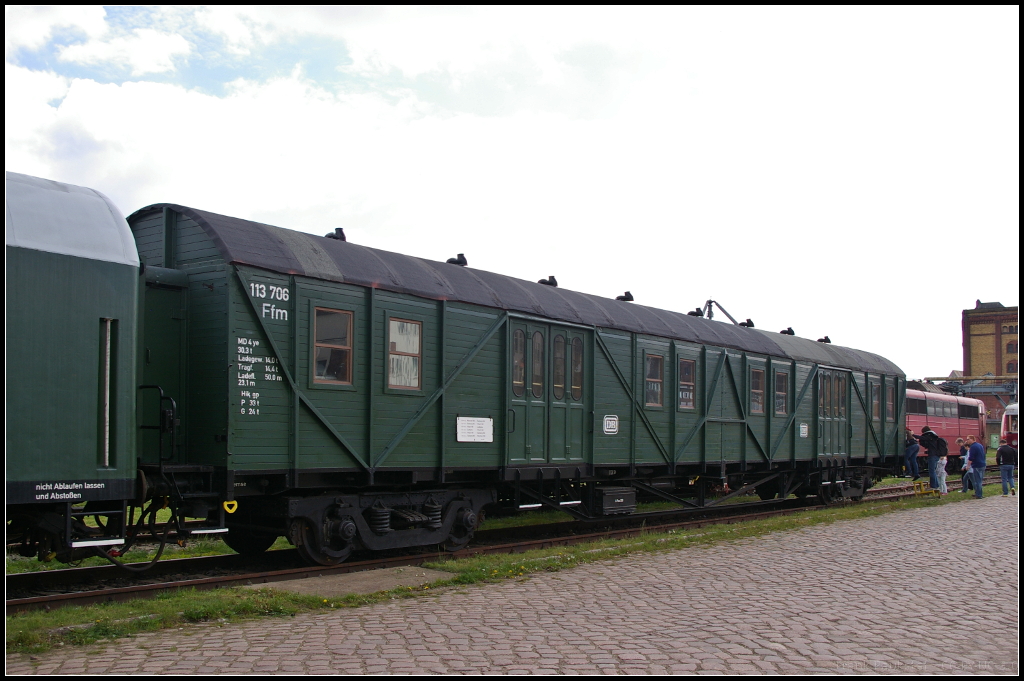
843	171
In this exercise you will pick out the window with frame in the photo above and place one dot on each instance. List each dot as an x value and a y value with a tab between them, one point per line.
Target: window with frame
654	378
821	394
756	391
577	369
841	394
537	374
876	401
890	402
518	363
404	354
1011	348
968	411
687	384
781	393
558	368
916	406
332	346
1011	367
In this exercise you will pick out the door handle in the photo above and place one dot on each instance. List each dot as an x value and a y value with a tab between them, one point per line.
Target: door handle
512	420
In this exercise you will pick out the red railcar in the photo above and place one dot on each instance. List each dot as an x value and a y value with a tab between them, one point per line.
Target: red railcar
949	416
1009	425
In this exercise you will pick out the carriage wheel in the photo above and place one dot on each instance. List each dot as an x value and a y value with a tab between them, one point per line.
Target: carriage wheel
316	554
248	543
465	525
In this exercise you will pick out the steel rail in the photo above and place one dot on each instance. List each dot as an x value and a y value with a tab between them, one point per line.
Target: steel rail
269	576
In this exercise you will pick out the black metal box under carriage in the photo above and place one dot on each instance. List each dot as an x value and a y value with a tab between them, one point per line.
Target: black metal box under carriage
614	500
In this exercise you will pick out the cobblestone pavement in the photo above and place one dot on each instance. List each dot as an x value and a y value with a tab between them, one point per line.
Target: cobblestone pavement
864	596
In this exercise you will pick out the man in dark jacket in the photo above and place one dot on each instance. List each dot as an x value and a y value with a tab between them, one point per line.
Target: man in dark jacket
929	442
976	460
1006	457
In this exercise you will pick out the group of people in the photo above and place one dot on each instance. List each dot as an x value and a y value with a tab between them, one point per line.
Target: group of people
972	456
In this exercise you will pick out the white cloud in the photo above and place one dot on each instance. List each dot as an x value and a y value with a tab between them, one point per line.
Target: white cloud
31	27
817	169
144	51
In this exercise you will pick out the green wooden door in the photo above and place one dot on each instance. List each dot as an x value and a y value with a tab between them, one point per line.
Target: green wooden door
567	411
162	350
833	403
528	393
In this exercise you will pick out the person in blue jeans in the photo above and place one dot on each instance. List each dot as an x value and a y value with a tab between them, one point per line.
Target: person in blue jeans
976	460
1006	457
929	443
911	448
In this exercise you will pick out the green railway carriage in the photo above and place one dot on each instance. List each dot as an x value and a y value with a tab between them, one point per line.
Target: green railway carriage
344	396
72	276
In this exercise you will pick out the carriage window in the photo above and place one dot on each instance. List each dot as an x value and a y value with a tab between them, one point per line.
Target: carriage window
841	394
781	392
332	346
558	370
537	377
890	402
821	394
577	369
518	363
949	410
933	408
876	406
836	395
404	354
687	383
828	394
968	411
915	406
756	391
654	379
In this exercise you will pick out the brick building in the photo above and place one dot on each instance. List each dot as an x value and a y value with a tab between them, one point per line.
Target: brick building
990	349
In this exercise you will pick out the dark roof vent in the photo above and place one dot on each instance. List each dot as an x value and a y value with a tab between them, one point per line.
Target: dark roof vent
550	281
749	324
627	296
788	331
696	313
460	261
826	339
338	233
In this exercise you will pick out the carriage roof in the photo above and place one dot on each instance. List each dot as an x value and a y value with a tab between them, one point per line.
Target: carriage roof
289	252
55	217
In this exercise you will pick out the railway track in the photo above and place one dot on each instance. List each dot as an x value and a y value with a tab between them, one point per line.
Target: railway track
84	586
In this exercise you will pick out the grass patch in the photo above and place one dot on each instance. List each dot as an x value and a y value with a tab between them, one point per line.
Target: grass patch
39	631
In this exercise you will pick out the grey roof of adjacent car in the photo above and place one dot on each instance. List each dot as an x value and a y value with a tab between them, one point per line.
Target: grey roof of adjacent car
290	252
44	215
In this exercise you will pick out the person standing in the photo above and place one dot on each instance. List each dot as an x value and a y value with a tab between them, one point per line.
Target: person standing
929	442
911	448
1006	457
940	474
965	475
976	460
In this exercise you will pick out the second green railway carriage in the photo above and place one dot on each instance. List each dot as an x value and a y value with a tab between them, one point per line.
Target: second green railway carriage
345	396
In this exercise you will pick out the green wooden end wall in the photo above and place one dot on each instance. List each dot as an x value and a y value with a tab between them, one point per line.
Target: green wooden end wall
170	240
